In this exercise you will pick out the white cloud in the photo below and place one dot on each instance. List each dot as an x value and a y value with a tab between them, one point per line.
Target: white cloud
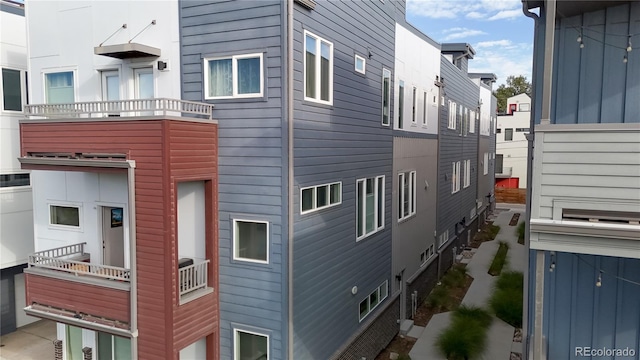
506	14
460	33
490	44
513	59
451	9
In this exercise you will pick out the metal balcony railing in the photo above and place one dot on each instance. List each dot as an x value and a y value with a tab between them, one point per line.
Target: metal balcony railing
66	259
124	108
193	277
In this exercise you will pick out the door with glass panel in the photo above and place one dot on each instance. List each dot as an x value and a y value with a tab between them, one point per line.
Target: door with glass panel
111	92
144	89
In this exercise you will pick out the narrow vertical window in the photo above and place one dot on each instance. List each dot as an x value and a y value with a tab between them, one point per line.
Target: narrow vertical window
369	206
360	64
11	90
415	105
401	104
318	69
386	96
424	109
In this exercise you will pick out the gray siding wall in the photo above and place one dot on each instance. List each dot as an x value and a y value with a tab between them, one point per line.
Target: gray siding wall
593	85
414	235
453	147
342	142
577	313
251	183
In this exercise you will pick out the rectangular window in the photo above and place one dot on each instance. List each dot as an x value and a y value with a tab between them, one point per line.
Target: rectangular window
415	105
251	241
465	128
498	131
472	123
452	115
508	134
250	345
73	336
386	96
455	177
112	347
467	173
460	119
360	64
369	206
11	180
237	76
406	195
525	107
318	69
499	162
64	215
374	299
522	129
485	163
426	255
443	239
59	88
11	90
424	109
401	105
320	197
110	85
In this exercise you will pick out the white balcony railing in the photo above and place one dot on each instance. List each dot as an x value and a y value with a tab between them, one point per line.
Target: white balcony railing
505	173
193	277
68	259
124	108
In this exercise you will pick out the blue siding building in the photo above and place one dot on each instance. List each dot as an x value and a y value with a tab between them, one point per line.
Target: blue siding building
584	281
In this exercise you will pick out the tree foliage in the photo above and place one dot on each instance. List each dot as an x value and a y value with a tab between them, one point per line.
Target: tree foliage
515	85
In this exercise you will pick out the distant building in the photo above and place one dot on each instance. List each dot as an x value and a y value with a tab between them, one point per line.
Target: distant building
511	143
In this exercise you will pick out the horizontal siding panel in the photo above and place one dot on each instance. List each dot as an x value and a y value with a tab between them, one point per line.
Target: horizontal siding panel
589	193
604	181
568	146
592	169
590	158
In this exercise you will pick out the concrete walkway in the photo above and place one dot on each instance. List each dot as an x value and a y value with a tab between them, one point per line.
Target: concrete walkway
30	342
500	334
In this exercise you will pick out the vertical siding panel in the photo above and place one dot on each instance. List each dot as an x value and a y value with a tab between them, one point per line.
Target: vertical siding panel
591	68
615	71
568	70
632	101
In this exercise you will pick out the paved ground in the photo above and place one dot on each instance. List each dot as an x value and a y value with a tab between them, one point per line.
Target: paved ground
30	342
500	335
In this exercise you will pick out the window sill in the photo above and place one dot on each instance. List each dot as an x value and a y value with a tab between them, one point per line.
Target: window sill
406	218
358	239
318	103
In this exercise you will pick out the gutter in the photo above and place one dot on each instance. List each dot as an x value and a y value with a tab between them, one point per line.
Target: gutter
290	179
131	185
527	231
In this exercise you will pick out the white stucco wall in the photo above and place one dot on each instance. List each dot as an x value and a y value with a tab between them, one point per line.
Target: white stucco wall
88	191
16	217
485	111
417	64
62	36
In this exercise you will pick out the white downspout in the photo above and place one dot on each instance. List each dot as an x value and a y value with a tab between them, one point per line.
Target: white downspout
131	186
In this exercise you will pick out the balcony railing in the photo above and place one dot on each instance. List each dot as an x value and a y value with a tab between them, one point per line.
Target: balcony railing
68	259
505	172
193	277
115	108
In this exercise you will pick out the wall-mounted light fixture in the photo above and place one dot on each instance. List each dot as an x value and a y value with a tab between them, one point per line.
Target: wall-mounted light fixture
162	65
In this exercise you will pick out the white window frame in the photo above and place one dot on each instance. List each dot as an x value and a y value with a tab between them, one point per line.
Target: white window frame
424	109
467	174
23	90
443	239
401	108
235	244
452	115
386	75
62	226
414	111
236	342
426	255
455	177
379	203
472	123
379	292
364	64
318	74
485	164
234	76
402	178
315	194
56	71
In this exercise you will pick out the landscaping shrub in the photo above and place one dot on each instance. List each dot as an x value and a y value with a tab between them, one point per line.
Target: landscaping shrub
499	260
493	231
520	233
438	299
455	277
506	301
466	337
404	357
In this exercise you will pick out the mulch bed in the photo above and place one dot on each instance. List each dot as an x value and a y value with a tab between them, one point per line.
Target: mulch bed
481	236
514	219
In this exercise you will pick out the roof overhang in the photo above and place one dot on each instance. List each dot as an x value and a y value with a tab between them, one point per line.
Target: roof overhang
567	8
127	51
44	161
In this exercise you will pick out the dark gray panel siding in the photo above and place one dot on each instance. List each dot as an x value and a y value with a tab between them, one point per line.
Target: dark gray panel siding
342	142
592	84
453	147
251	184
579	314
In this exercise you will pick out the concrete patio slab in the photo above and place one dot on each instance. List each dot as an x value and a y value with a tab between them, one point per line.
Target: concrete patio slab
30	342
424	348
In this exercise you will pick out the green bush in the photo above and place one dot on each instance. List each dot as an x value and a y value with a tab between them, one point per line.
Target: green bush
455	277
499	260
506	301
466	337
404	357
520	232
438	299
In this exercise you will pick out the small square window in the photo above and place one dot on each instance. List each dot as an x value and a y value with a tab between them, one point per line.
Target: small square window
250	345
59	88
360	64
251	241
64	215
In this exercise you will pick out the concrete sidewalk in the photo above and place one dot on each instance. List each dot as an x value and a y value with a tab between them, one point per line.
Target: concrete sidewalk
500	334
30	342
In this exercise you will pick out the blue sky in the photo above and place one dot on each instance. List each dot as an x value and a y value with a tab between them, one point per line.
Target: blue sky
497	29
